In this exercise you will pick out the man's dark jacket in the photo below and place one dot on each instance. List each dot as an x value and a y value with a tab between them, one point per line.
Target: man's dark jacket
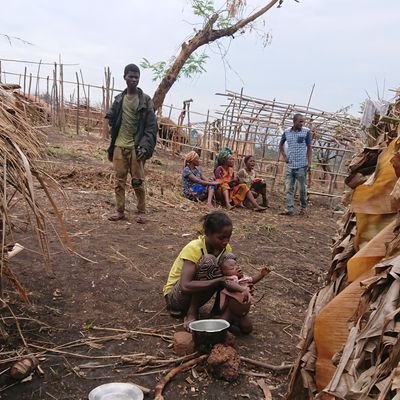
146	133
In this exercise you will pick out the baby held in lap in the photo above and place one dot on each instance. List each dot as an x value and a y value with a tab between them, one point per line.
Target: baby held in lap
236	297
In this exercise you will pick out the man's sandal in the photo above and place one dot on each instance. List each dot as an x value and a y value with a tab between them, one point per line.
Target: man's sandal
116	217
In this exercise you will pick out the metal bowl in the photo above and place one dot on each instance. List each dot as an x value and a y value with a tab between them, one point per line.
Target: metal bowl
209	325
116	391
208	332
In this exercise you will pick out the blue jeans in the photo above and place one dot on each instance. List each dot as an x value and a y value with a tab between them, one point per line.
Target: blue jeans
293	174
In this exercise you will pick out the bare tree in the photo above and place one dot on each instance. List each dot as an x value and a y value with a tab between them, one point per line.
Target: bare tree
206	35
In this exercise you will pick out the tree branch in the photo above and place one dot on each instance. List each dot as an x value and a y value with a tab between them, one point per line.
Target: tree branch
206	35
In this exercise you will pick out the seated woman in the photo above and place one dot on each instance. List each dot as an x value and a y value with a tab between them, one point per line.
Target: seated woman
195	275
195	186
231	191
247	175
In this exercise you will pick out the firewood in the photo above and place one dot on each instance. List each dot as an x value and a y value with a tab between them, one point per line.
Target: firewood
277	368
174	371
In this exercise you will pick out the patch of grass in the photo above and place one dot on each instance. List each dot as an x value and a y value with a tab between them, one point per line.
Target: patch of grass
62	152
269	228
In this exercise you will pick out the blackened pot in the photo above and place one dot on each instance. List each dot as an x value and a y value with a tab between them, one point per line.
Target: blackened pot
208	332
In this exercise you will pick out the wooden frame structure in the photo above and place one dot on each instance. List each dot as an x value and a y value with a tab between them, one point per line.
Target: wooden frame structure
247	125
254	126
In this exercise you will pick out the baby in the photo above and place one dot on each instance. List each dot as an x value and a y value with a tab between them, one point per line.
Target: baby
236	297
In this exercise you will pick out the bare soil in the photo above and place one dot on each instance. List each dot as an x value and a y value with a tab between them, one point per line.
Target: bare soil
116	281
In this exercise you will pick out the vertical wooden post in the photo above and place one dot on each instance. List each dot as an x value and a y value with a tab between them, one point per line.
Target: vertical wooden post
55	96
233	103
106	98
170	111
88	110
37	81
206	144
85	95
30	84
77	103
62	117
25	81
47	88
104	127
83	84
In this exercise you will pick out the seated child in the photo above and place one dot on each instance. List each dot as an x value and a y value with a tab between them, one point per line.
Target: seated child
236	298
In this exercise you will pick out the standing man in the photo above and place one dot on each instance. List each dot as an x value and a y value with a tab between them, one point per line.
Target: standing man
298	158
133	138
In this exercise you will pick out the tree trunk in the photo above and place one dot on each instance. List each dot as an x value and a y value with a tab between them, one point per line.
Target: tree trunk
206	35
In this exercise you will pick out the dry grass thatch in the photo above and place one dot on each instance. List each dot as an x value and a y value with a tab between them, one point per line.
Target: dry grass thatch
350	340
21	147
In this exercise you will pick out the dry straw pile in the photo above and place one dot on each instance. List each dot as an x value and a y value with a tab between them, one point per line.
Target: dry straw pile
22	146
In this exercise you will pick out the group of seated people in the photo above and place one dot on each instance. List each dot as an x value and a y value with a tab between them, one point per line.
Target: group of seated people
226	187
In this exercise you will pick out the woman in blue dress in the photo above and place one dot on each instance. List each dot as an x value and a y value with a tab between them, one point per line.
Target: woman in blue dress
195	186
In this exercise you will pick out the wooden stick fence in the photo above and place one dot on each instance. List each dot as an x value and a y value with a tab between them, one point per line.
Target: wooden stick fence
247	125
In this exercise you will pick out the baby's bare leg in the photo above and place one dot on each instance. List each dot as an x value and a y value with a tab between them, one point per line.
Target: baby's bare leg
238	312
245	325
238	309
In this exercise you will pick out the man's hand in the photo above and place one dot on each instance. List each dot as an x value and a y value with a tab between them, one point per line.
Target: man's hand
140	153
110	155
285	158
308	167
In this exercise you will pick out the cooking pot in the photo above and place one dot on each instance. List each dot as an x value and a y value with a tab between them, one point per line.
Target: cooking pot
208	332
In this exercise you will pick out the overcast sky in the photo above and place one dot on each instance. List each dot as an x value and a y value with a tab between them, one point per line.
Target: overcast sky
346	47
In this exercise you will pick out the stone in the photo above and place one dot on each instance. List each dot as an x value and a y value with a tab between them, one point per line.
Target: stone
183	343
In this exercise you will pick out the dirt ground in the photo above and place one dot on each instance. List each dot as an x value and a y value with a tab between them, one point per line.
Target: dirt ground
114	284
